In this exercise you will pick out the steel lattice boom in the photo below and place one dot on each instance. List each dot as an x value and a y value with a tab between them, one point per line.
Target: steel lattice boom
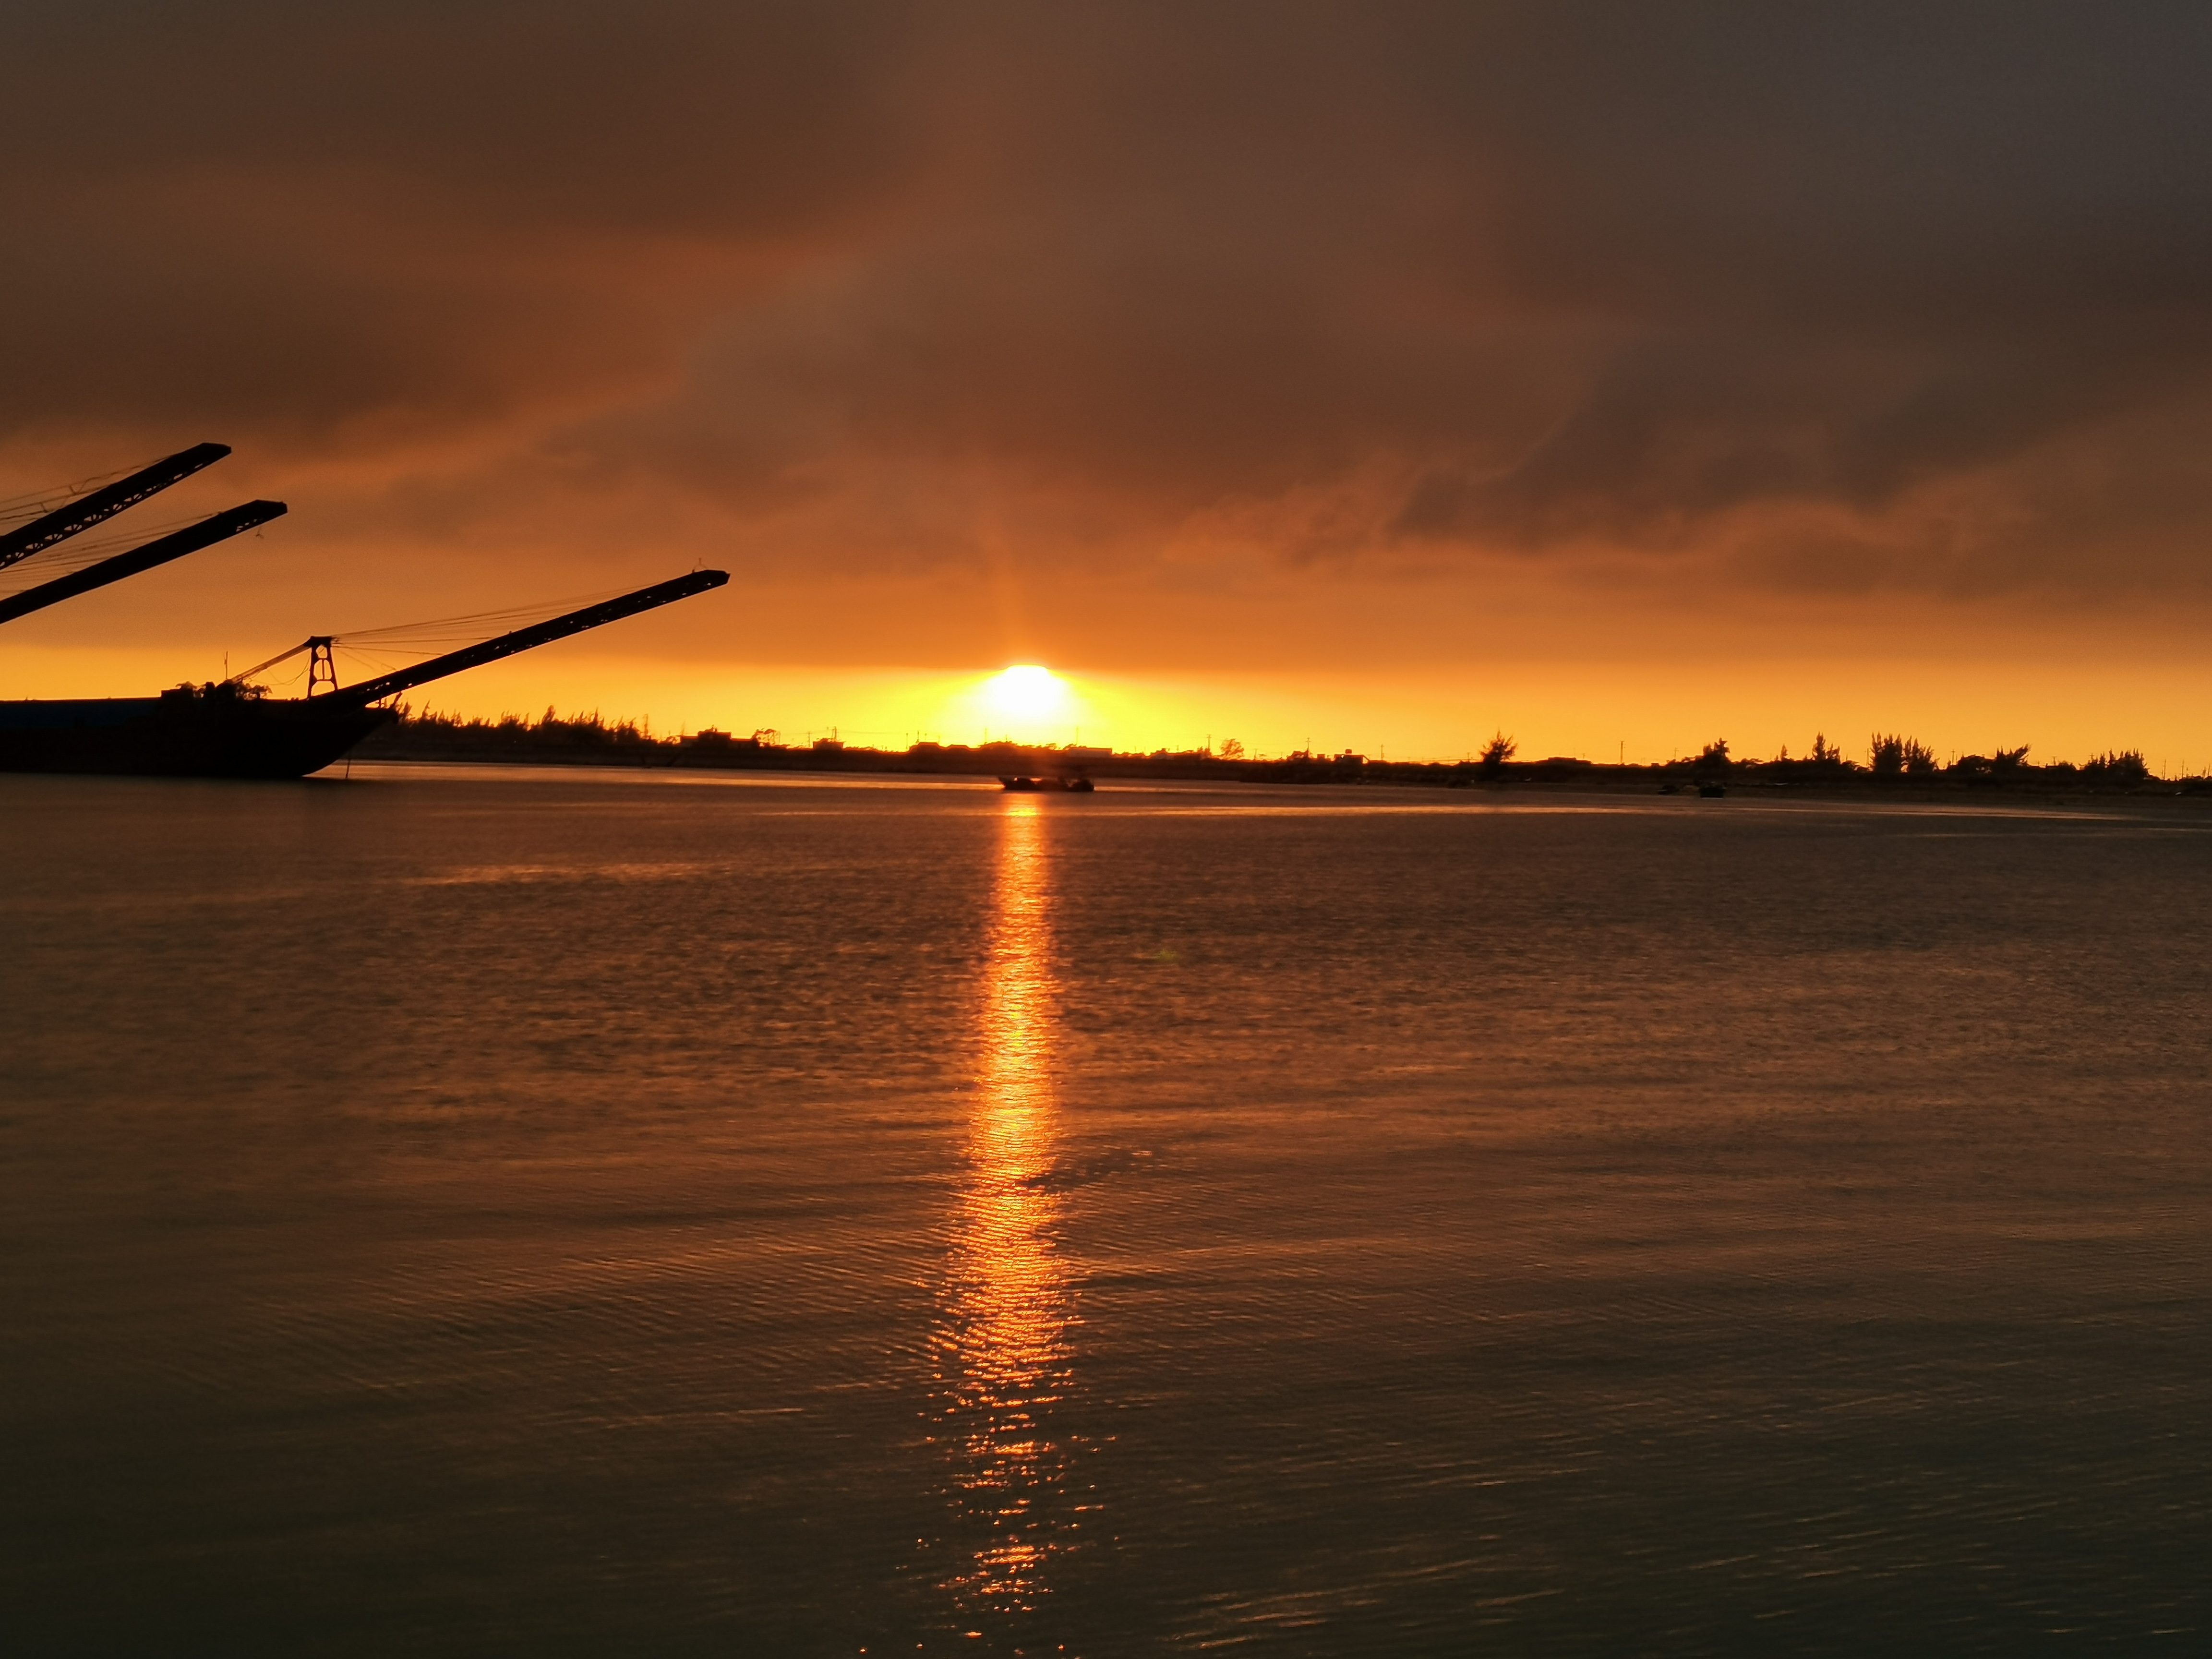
86	511
206	533
527	639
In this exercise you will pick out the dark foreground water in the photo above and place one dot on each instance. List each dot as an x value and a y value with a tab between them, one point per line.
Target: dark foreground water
545	1213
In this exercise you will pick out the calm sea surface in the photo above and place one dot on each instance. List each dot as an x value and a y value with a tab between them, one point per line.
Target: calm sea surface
470	1211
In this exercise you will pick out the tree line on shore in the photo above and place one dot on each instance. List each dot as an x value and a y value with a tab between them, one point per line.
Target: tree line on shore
588	738
1893	754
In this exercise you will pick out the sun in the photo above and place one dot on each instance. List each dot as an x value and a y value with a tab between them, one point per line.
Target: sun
1027	692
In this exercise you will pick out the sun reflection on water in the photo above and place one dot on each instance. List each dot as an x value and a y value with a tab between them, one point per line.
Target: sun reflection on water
1004	1350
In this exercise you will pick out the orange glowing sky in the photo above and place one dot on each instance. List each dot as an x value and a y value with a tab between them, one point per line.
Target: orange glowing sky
1620	377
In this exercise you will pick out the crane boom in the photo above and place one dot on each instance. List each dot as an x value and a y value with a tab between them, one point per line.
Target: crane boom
86	511
206	533
527	639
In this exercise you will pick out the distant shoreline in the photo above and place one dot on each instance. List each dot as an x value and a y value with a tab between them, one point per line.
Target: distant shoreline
593	742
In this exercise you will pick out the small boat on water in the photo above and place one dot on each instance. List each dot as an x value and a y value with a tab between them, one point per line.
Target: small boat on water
1022	785
228	728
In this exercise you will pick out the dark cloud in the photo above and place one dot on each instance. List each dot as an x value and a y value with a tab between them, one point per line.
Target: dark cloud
714	119
292	220
1881	295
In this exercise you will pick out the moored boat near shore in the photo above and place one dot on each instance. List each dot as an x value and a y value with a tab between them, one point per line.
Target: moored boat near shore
210	732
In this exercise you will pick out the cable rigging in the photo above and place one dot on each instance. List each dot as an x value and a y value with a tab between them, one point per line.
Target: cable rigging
384	647
596	613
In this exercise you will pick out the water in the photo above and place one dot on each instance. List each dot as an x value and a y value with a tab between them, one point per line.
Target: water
555	1212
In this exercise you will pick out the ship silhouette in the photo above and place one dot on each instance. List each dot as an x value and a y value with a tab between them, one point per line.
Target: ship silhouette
230	728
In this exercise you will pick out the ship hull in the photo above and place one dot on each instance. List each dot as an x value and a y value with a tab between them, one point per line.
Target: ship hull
181	737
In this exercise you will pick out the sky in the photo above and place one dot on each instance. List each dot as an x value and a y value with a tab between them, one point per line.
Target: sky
1617	376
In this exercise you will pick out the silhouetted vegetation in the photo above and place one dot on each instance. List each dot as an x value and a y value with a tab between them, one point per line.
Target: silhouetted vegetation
2127	766
1894	756
2007	765
576	738
1894	760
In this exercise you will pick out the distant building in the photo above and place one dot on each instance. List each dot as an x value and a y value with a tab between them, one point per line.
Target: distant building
713	741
